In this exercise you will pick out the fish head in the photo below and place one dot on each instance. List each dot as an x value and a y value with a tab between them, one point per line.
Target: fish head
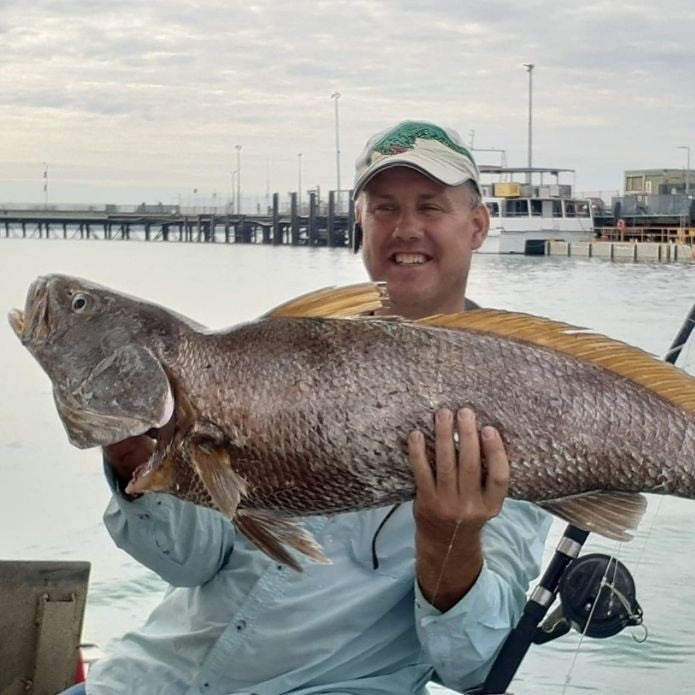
103	352
62	310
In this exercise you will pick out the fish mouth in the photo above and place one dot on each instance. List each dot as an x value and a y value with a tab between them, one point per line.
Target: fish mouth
32	325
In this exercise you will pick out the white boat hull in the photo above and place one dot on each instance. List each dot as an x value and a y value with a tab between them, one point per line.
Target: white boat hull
501	240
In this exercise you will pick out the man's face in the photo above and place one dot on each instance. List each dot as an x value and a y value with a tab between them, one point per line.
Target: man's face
419	236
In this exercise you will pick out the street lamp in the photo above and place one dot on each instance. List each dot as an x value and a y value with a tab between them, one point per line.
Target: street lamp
529	68
238	178
299	182
687	167
336	97
233	196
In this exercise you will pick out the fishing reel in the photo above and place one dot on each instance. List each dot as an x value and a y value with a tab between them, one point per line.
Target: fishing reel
597	599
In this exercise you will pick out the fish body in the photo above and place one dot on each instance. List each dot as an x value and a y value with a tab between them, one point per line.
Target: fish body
305	412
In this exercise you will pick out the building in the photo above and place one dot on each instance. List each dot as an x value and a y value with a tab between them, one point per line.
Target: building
659	182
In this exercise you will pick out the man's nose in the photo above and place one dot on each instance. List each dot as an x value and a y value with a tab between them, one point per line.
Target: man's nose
408	226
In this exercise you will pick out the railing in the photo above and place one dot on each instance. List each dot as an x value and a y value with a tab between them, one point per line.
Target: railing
647	204
676	235
210	206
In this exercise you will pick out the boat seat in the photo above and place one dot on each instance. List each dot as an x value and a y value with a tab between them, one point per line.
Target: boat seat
41	612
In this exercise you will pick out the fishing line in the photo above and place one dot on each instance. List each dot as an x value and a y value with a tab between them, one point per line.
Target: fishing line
649	532
421	653
444	563
613	561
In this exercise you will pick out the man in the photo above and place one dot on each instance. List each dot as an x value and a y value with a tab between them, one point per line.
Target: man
416	591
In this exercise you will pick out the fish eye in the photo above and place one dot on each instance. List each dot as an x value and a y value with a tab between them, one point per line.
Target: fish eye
79	303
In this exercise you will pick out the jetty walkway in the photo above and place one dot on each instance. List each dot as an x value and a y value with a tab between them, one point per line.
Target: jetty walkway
320	225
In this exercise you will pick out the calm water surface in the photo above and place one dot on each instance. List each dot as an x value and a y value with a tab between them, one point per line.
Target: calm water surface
52	495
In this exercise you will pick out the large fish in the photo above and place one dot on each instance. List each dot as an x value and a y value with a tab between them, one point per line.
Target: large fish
306	411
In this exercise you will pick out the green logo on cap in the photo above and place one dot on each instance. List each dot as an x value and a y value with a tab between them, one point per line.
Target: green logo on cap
403	138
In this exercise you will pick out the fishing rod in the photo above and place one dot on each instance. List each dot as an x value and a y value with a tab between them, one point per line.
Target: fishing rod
681	339
579	582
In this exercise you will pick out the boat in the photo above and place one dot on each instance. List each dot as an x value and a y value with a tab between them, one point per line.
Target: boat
42	606
526	211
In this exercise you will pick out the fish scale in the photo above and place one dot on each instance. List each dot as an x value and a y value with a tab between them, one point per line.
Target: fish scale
307	411
581	434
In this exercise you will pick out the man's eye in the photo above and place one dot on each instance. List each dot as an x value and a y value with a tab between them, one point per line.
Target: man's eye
384	208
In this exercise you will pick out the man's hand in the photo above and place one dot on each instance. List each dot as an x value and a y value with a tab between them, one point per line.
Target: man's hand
125	456
453	503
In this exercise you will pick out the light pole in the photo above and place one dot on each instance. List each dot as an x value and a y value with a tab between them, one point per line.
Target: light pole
299	182
233	196
336	97
45	184
529	68
687	167
238	178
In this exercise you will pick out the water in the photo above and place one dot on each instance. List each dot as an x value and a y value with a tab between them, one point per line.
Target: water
52	495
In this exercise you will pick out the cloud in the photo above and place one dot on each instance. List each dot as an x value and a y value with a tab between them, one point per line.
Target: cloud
174	85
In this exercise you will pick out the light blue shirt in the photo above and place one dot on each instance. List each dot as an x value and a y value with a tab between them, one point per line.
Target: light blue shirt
235	622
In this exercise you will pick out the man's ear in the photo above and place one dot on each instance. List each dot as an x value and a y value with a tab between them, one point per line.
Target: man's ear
357	232
480	221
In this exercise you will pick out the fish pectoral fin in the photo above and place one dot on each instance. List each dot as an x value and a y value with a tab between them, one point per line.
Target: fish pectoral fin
225	485
272	534
612	514
331	302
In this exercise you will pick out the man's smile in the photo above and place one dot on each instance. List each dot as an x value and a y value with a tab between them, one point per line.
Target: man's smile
409	258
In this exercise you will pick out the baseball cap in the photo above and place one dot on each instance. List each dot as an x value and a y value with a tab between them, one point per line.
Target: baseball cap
433	150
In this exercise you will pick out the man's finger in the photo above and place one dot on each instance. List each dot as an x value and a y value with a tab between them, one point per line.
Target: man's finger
445	453
417	458
498	474
469	469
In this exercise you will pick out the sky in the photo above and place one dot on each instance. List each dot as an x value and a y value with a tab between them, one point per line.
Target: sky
128	101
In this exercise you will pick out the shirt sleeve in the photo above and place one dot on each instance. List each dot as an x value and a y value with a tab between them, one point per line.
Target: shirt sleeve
186	545
462	643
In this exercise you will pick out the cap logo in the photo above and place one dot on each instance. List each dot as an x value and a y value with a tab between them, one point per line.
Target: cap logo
403	138
430	149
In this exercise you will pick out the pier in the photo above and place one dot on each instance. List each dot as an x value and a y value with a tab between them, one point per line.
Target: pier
623	250
316	224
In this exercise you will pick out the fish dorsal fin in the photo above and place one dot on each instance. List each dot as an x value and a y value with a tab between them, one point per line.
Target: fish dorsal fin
225	486
612	514
271	534
662	378
331	302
